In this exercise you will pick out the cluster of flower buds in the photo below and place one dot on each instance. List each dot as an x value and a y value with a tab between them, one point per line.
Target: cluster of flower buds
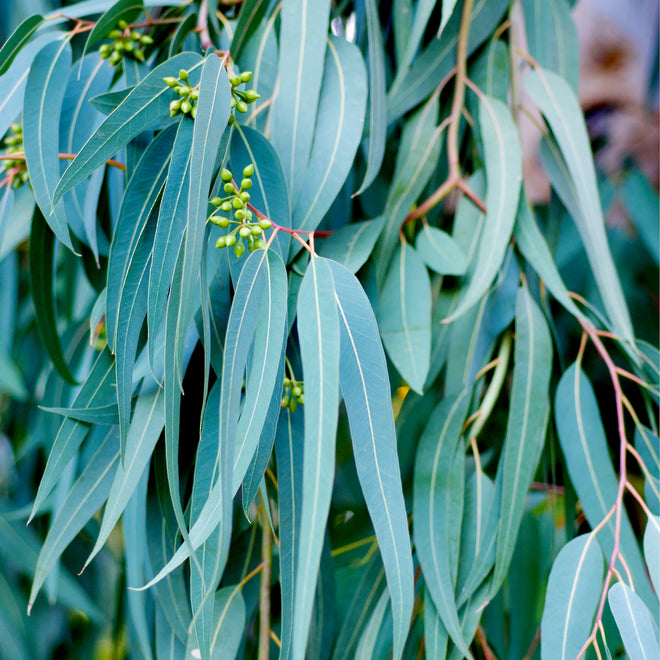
16	169
240	99
187	103
125	43
294	394
236	203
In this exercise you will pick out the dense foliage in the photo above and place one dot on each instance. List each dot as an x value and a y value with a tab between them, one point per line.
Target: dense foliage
289	362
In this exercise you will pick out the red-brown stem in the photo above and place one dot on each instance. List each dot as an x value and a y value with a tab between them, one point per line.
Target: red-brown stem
637	496
483	642
203	25
21	156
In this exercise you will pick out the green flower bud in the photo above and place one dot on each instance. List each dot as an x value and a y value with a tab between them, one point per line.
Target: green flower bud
129	46
231	240
246	184
217	220
231	121
223	222
175	106
286	382
122	25
186	107
221	242
229	188
105	49
293	404
246	76
194	94
139	55
193	112
182	90
226	176
256	230
183	74
245	196
244	231
241	106
237	203
265	223
216	201
233	103
248	216
115	34
226	207
16	128
285	402
235	81
239	248
115	58
260	244
248	171
171	81
119	46
251	96
146	40
240	215
135	35
296	391
301	399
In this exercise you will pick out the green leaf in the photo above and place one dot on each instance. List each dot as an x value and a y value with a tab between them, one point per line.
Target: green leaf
318	334
42	247
435	635
145	106
303	36
377	120
534	248
228	627
438	496
44	93
440	251
447	10
146	427
416	161
557	101
526	426
652	550
266	366
647	444
122	10
289	441
322	630
365	649
634	622
404	316
169	230
643	206
19	38
413	85
93	414
504	174
573	592
84	499
110	101
584	445
366	393
552	38
351	245
250	18
337	132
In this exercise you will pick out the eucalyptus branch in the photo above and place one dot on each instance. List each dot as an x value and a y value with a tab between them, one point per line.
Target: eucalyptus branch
264	592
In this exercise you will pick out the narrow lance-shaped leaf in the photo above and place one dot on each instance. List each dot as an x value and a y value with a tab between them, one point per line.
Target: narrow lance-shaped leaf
404	316
584	445
44	93
574	588
337	133
249	19
366	393
289	441
303	37
377	119
42	246
526	425
88	493
369	637
558	102
504	175
633	621
318	333
122	10
652	550
19	37
436	497
146	105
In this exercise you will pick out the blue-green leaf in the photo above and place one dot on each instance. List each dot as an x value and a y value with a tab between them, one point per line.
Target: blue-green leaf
88	493
44	93
366	393
574	588
303	38
249	19
377	120
122	10
146	105
337	133
18	38
652	550
351	245
365	649
529	408
42	247
504	174
318	333
440	251
229	623
552	38
634	622
438	493
558	102
643	206
584	444
404	316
